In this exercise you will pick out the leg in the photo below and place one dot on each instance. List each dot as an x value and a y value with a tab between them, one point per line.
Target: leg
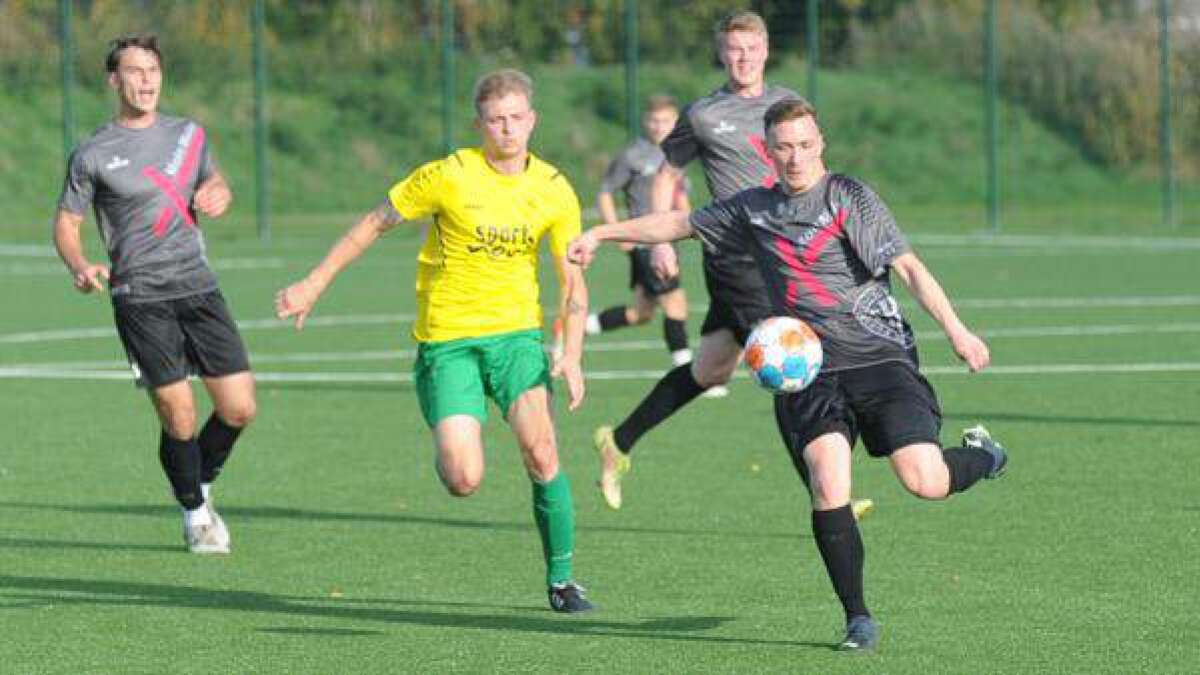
234	408
674	306
922	470
178	450
459	443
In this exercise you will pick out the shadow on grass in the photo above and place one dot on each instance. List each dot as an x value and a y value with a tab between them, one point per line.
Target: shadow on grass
17	542
1105	421
65	592
248	513
320	632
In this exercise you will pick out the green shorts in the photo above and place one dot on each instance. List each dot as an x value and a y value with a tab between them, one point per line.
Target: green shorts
453	377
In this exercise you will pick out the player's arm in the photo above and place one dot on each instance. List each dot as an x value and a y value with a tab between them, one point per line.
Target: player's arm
298	299
608	211
927	291
663	259
87	276
655	228
213	196
573	299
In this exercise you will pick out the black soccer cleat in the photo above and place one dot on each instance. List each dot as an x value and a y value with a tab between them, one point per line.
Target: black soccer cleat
978	437
568	597
862	635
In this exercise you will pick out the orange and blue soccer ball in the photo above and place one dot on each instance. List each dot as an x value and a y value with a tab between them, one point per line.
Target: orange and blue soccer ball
784	355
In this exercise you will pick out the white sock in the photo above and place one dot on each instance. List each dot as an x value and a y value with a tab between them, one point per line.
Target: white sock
205	489
592	327
197	517
681	356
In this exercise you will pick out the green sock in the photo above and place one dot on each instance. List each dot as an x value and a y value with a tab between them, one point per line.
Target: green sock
554	514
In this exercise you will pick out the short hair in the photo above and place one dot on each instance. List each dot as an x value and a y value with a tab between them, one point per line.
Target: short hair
148	41
787	110
739	20
661	102
501	83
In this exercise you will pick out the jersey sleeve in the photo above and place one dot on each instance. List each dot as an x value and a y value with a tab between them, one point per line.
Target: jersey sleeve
208	162
720	225
419	194
617	175
681	145
567	224
870	227
79	187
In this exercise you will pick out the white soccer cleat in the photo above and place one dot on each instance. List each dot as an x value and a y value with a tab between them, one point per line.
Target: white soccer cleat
205	534
218	523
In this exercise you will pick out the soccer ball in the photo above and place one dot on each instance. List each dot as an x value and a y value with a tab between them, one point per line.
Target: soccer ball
784	355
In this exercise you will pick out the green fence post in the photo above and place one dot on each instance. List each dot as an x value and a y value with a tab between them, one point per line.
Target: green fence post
448	73
262	192
631	67
1164	125
812	47
67	53
991	101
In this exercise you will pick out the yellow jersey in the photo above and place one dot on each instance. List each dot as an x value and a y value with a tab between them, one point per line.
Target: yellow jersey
477	271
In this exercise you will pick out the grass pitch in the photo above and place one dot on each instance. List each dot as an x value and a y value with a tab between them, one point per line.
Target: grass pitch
349	556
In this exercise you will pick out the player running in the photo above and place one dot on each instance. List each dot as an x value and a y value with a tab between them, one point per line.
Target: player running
478	316
826	245
147	175
725	131
632	173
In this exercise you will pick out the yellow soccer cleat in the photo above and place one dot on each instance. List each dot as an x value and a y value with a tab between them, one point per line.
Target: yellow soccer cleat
861	508
613	465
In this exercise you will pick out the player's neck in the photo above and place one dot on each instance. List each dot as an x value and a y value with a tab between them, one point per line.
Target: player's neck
136	119
508	166
747	91
807	183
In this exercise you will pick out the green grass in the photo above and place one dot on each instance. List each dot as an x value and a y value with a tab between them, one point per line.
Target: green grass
350	557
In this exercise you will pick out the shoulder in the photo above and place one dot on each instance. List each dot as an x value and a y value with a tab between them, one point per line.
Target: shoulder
777	93
852	187
547	173
704	104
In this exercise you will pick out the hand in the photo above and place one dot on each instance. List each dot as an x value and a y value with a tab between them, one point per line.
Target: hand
297	301
91	277
664	262
972	349
582	249
212	198
569	368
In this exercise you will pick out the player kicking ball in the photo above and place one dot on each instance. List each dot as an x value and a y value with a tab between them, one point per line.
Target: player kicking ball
479	322
826	246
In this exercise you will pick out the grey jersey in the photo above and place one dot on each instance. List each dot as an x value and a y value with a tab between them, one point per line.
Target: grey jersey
726	132
140	183
825	255
632	173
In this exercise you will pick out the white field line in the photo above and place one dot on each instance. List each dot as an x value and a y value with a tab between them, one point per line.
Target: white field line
19	373
258	359
384	319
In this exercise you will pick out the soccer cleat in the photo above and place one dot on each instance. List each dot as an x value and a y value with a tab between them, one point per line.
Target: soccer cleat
218	523
861	508
205	539
719	391
862	635
613	465
568	597
978	437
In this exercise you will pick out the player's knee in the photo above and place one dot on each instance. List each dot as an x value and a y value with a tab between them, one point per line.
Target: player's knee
924	484
638	317
462	486
179	421
541	462
241	414
708	374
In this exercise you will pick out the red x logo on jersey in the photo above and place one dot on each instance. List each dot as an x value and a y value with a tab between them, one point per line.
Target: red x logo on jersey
171	188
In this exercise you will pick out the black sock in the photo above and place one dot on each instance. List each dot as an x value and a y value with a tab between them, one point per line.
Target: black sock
216	443
613	317
967	466
841	548
675	333
181	461
675	390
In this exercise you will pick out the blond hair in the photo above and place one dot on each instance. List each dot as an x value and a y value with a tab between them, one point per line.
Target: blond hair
661	102
501	83
742	20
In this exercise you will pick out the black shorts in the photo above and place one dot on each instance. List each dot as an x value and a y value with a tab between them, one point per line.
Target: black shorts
737	298
170	339
642	274
890	404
